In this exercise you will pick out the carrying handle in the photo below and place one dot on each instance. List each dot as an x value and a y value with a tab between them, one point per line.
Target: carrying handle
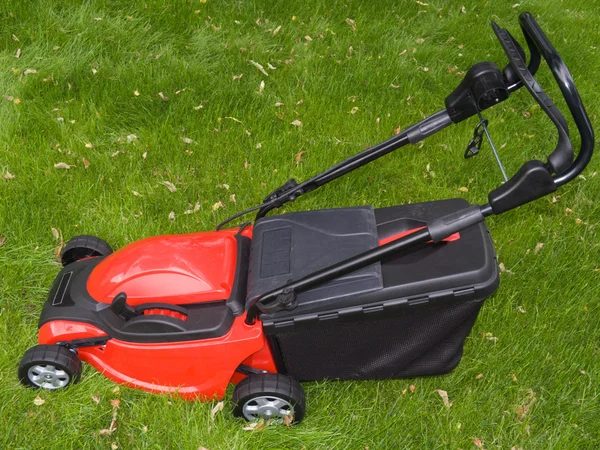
534	35
561	159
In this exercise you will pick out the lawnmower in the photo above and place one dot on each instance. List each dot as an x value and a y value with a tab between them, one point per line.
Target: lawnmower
348	294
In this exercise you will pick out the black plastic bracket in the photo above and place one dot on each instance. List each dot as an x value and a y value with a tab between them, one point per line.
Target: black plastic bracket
282	190
532	181
482	87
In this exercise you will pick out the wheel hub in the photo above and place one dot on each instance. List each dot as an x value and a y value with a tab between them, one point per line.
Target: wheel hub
267	407
48	376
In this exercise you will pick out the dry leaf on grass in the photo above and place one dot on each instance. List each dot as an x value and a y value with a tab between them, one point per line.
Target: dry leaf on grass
170	186
412	388
2	240
352	23
478	442
113	422
218	408
85	162
522	310
259	67
18	54
218	205
463	189
172	216
136	93
96	398
444	395
298	157
8	176
297	123
38	401
62	165
29	71
237	77
538	247
255	426
163	97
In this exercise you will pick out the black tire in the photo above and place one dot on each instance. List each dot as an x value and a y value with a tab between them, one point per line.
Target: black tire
49	367
270	396
84	246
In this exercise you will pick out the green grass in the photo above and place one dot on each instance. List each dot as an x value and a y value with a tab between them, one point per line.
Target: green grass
91	56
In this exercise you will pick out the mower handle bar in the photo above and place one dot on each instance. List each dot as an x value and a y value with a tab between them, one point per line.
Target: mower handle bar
539	43
532	181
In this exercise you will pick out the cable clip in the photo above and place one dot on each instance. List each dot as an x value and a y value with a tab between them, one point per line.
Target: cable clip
475	143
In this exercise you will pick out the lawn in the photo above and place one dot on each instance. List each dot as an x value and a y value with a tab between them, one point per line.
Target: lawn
107	104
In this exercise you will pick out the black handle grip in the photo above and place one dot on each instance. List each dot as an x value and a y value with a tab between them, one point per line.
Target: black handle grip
562	156
536	38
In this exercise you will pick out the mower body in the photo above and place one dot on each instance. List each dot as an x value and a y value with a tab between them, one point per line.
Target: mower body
191	293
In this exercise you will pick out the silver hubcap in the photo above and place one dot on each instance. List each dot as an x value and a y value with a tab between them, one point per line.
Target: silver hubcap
48	376
267	407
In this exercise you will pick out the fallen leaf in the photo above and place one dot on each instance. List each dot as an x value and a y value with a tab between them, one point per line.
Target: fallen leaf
223	186
463	10
420	41
528	403
186	140
297	123
15	38
397	130
354	110
479	377
538	247
514	378
271	66
521	310
62	165
255	426
144	155
412	388
233	199
261	87
16	101
444	395
237	77
96	398
259	145
463	189
578	221
29	71
490	337
136	193
276	30
352	23
259	67
172	216
170	186
421	3
85	162
395	86
278	104
308	38
18	54
8	176
38	401
218	205
218	407
136	93
288	419
298	157
114	446
477	441
198	108
2	240
89	145
131	137
163	97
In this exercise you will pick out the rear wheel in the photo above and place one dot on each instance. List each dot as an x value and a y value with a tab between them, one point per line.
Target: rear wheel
84	246
49	367
269	396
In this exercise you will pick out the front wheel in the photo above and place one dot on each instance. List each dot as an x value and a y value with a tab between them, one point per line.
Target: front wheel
49	367
269	396
84	246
